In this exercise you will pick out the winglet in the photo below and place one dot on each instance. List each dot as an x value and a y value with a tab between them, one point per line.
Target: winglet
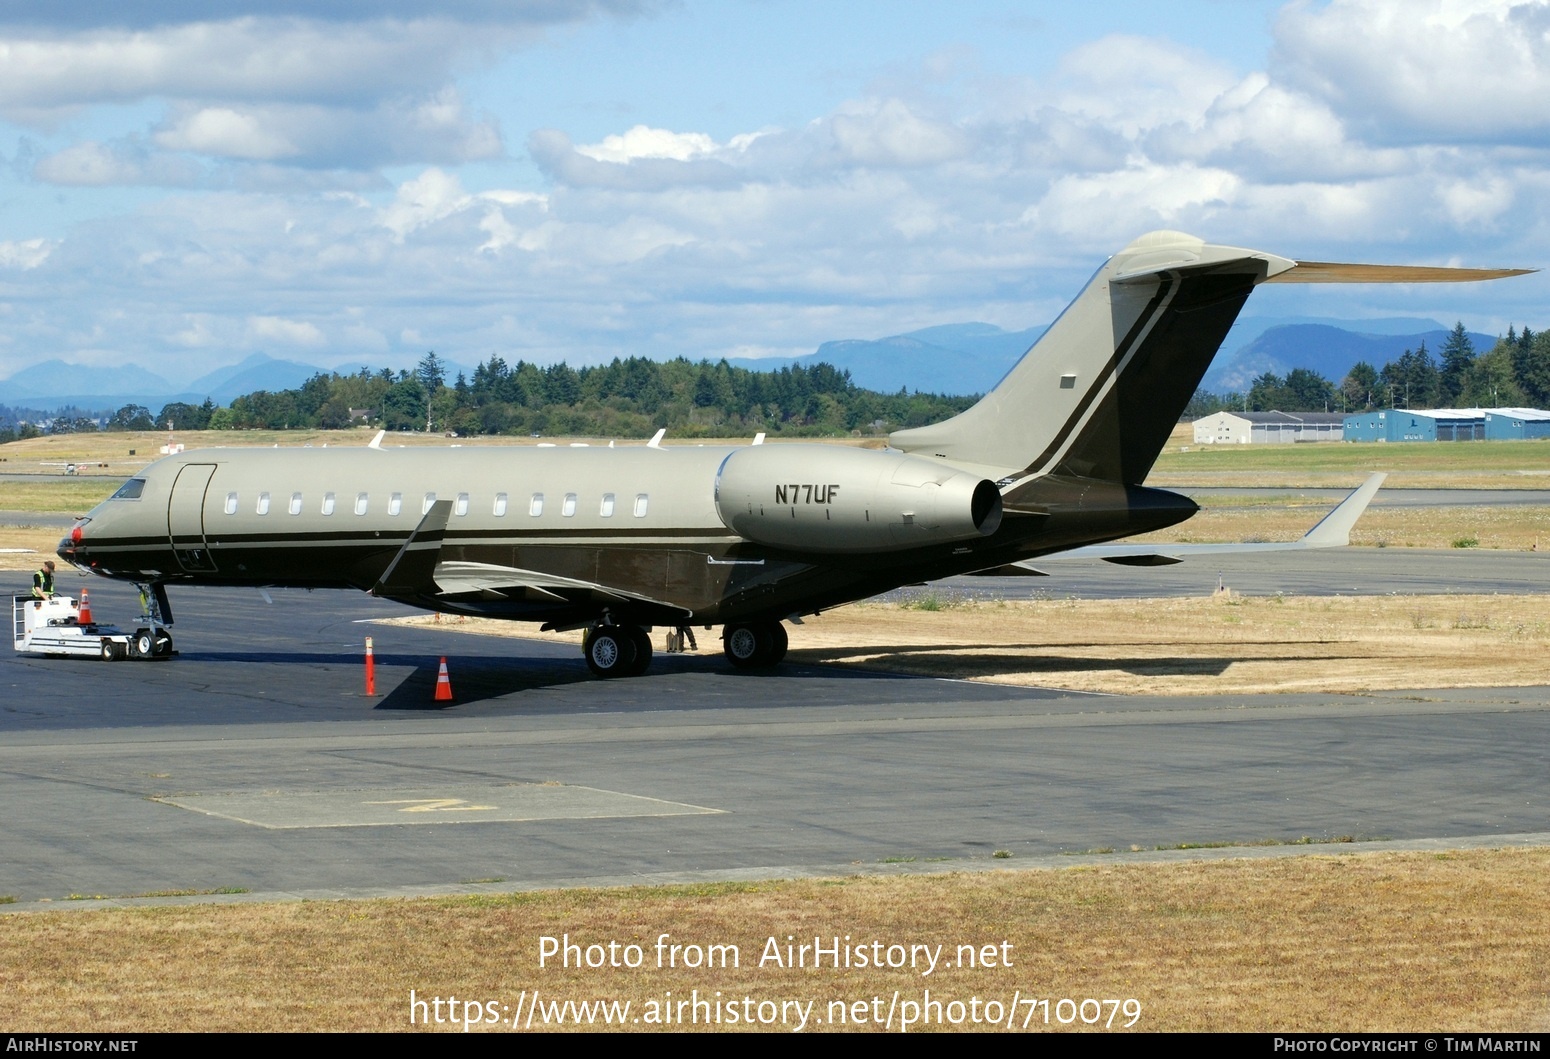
412	569
1334	529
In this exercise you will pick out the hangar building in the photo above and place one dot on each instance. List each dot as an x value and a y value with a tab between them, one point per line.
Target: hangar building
1260	428
1448	424
1516	424
1405	424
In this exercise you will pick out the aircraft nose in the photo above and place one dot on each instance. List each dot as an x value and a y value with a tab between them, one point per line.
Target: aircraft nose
72	548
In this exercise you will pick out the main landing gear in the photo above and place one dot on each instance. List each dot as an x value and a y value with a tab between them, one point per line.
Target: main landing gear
617	650
754	644
625	650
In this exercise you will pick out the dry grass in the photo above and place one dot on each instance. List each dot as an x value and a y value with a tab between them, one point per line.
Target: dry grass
1378	942
40	540
74	497
1207	646
1236	645
1438	465
1511	528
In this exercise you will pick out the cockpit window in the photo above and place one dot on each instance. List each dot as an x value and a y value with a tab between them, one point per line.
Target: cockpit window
130	490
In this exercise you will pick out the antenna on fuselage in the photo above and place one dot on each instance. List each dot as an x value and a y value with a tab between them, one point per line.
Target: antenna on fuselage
758	439
376	442
656	439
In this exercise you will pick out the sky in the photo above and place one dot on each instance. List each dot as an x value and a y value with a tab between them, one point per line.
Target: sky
187	184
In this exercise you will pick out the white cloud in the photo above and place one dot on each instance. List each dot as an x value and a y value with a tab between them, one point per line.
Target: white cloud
1133	200
249	59
928	201
1413	71
223	131
432	195
435	195
25	254
1263	130
93	164
562	161
1480	201
353	93
291	332
888	133
1132	84
645	142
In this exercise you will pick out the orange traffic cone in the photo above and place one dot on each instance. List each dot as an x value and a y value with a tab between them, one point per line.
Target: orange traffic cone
85	615
443	685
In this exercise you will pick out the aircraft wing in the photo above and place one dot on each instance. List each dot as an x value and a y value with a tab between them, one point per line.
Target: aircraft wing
1332	531
493	581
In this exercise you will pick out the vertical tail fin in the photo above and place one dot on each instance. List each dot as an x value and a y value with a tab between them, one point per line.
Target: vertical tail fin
1099	392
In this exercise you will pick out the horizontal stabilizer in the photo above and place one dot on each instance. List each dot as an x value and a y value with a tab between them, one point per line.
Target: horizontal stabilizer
1010	570
1332	531
1336	272
1143	560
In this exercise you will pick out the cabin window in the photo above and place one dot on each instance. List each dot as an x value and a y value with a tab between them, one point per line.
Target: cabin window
395	503
461	507
536	506
360	503
500	505
569	507
641	499
130	490
295	507
328	503
606	508
263	504
231	503
430	498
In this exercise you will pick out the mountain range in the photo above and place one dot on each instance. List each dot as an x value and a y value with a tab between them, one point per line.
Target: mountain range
948	359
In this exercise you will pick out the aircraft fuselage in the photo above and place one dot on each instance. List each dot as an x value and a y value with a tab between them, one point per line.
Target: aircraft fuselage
671	535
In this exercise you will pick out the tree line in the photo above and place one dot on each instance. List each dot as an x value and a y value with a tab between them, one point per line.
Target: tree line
634	397
626	398
1513	373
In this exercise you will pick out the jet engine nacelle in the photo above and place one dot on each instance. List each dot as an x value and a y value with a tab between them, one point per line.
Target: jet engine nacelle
851	500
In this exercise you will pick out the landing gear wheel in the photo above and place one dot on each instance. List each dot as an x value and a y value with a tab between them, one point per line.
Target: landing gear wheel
642	640
778	647
162	648
610	651
755	645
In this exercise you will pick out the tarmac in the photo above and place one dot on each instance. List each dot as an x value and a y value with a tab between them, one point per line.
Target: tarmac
254	763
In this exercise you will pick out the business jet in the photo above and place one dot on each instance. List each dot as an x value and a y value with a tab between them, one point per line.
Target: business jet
619	540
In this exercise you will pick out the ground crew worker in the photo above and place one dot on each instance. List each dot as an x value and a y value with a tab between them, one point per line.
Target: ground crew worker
43	581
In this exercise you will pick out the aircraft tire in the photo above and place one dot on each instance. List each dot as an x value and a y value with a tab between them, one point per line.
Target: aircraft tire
642	641
778	645
755	644
610	651
162	647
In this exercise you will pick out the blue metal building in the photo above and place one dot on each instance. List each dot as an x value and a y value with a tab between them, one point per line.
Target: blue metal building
1448	424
